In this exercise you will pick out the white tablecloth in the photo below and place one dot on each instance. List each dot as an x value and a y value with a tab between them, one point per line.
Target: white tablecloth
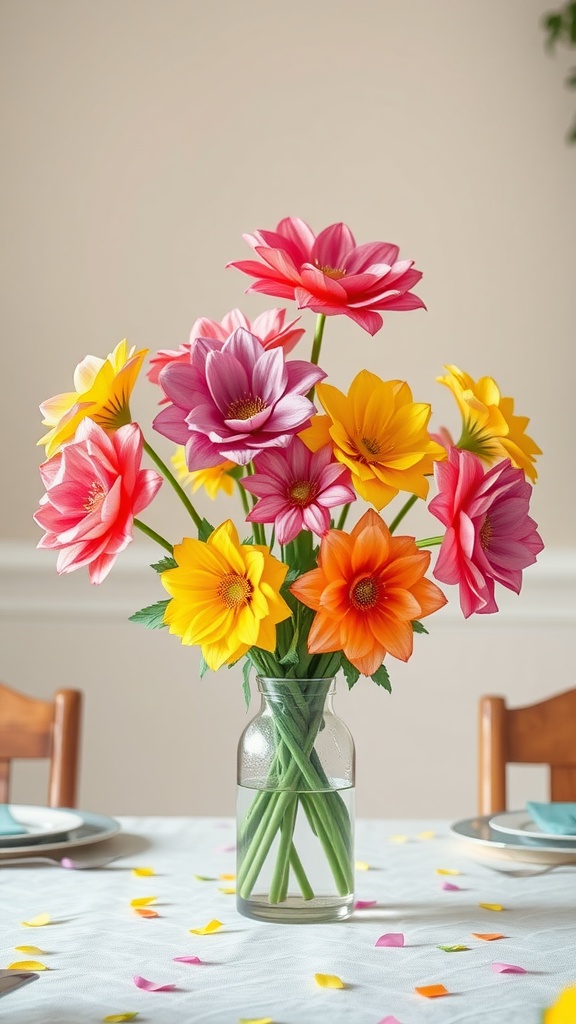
96	943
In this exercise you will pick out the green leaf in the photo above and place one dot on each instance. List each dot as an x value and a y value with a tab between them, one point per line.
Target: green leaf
381	677
204	667
153	616
418	627
249	539
246	671
351	673
165	563
205	529
292	656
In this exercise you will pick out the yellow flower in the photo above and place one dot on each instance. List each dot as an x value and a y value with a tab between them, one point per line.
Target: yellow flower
103	389
214	479
489	427
225	596
380	434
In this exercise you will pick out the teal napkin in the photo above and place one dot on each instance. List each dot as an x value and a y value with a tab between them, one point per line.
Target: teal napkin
556	818
8	824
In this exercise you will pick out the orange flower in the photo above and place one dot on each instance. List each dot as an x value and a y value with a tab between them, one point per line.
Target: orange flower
367	591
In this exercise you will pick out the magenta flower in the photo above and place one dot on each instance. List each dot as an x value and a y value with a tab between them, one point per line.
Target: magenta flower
234	399
94	488
296	487
490	538
329	273
268	327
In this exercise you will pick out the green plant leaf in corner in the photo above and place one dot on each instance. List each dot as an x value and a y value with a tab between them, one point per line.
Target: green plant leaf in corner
351	673
165	563
418	627
381	677
153	616
246	670
204	530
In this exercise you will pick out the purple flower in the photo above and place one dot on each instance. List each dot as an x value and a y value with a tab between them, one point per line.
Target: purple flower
296	487
233	399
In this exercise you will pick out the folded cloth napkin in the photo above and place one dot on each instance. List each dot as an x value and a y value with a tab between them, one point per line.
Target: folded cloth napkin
555	818
8	824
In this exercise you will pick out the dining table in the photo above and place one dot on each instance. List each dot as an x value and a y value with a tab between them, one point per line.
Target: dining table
143	926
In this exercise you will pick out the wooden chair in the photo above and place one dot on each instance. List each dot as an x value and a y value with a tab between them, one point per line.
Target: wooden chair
542	733
31	728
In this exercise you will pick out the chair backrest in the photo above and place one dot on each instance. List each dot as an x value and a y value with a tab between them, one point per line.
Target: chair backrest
542	733
31	728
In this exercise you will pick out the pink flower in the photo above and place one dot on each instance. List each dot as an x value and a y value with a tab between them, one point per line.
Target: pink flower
296	487
490	538
268	327
329	273
94	488
233	399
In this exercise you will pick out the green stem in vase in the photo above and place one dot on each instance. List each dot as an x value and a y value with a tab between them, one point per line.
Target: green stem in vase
169	476
153	535
403	511
429	542
316	346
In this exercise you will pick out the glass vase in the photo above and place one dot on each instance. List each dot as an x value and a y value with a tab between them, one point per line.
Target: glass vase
295	813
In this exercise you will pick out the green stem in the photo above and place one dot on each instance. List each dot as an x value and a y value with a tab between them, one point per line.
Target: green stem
343	516
153	535
405	508
279	883
429	542
244	498
316	346
174	483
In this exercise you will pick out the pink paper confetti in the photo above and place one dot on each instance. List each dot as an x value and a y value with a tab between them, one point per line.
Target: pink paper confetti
151	986
450	887
508	969
364	904
390	939
188	960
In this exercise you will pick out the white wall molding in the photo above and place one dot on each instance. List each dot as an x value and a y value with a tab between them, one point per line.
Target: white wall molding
31	589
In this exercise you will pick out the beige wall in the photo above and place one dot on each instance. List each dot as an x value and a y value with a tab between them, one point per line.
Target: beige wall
140	139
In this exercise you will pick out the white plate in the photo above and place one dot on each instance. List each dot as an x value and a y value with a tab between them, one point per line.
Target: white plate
484	842
93	829
40	823
519	823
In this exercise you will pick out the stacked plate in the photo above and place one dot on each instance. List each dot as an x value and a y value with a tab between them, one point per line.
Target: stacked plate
516	836
46	828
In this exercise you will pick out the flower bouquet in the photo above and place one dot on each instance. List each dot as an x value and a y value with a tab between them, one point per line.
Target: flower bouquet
301	598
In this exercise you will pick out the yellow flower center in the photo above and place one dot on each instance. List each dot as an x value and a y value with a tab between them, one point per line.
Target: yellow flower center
244	408
95	497
303	492
364	593
486	533
234	590
334	272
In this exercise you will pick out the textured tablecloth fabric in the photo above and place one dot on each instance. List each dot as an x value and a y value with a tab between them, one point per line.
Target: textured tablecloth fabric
95	943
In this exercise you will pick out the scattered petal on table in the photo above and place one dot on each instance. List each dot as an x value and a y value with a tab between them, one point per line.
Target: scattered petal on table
255	1020
389	1020
118	1018
453	949
37	922
487	936
227	878
146	912
364	904
508	969
226	849
398	839
228	890
431	991
188	960
450	887
27	965
491	906
212	926
205	878
361	865
143	872
563	1011
151	986
426	835
31	949
143	901
448	871
329	981
390	939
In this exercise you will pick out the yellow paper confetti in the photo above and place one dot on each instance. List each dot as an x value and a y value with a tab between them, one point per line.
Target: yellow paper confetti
212	926
143	901
426	835
37	922
448	871
563	1010
227	890
399	839
30	949
143	872
491	906
431	991
118	1018
361	865
27	965
227	878
146	912
487	936
329	981
255	1020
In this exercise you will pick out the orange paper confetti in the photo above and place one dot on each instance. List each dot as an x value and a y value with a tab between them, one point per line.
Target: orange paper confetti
448	871
208	929
27	965
329	981
432	991
31	950
487	936
491	906
143	901
37	922
118	1018
143	872
146	912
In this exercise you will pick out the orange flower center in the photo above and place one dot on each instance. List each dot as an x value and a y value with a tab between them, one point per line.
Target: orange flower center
95	497
486	533
244	408
364	593
303	492
334	272
234	590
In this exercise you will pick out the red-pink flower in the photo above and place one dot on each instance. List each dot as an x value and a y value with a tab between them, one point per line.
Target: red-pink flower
329	273
490	538
296	487
233	399
268	327
94	488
